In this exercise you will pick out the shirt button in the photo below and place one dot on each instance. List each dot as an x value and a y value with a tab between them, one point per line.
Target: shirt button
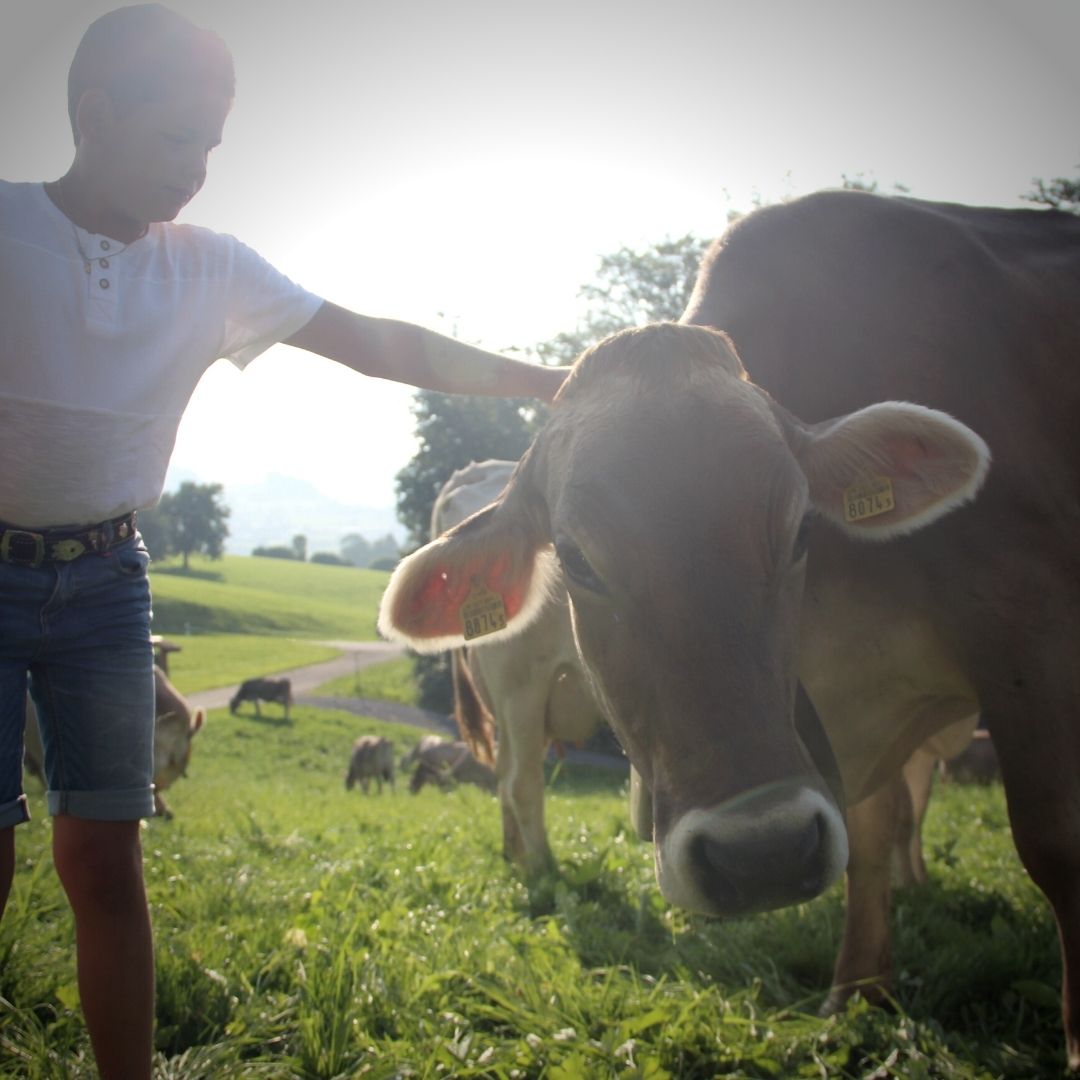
104	245
104	283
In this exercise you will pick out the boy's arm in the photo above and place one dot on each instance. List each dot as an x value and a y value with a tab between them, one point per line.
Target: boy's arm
389	349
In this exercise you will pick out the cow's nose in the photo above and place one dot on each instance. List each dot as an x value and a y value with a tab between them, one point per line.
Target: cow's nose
739	871
777	845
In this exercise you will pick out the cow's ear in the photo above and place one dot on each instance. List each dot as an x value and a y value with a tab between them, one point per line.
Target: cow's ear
891	468
486	578
169	727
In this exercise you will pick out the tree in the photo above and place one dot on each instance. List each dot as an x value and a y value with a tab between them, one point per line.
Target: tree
192	520
275	551
360	551
1059	194
633	287
299	546
328	558
454	430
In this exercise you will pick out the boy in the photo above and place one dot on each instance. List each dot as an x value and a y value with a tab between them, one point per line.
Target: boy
109	314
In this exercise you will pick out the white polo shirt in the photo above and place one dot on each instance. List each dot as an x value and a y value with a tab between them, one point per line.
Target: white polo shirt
96	367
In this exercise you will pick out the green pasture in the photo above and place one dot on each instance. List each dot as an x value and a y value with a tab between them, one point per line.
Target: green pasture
246	595
206	661
307	933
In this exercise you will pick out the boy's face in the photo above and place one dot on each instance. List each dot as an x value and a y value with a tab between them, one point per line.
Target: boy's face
154	156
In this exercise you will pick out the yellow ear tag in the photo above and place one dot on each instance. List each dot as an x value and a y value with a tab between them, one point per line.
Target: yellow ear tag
483	612
868	498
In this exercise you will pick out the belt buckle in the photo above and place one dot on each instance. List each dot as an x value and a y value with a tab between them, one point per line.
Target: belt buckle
67	550
16	538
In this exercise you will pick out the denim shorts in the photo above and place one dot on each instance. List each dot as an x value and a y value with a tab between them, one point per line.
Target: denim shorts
78	634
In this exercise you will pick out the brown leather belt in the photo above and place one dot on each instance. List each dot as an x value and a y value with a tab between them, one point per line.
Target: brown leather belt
33	547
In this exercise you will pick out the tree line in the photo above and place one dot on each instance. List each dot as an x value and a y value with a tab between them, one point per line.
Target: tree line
194	520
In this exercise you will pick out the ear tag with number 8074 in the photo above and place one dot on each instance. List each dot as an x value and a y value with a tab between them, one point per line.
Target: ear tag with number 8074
868	498
483	612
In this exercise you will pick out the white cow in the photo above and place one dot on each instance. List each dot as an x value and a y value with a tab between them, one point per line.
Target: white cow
530	687
440	761
372	758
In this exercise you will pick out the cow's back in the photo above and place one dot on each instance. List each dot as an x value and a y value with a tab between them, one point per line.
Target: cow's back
842	299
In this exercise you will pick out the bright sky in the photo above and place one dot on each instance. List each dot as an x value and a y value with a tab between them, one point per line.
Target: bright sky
463	165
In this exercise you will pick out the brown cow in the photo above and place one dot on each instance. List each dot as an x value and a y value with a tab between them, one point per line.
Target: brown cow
266	689
175	725
372	758
749	549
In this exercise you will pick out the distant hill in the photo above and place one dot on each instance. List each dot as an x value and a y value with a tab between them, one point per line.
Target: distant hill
277	508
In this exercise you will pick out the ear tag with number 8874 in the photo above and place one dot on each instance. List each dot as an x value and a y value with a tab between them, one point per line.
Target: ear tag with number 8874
868	498
483	612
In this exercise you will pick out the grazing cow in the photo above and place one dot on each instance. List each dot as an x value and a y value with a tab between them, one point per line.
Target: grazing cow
432	748
530	689
780	577
372	758
256	690
436	760
175	725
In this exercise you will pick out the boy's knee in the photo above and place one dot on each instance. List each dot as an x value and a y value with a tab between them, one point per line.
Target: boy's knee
97	855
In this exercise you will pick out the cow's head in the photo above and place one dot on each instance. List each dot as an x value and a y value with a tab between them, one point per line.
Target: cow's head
173	732
672	498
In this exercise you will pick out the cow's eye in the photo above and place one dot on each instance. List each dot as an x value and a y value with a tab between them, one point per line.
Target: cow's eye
802	537
576	566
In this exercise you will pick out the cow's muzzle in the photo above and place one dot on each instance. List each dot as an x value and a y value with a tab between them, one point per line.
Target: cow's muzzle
775	845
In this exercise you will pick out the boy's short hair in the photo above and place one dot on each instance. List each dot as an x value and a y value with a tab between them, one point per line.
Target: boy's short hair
145	53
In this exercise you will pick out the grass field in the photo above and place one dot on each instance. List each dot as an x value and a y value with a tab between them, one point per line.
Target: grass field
209	660
307	932
241	594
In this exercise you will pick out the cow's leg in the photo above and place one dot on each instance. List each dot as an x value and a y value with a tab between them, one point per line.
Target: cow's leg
864	964
1039	755
257	713
520	770
161	807
918	774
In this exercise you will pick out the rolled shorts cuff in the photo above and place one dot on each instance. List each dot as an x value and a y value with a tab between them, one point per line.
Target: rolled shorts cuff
128	805
14	813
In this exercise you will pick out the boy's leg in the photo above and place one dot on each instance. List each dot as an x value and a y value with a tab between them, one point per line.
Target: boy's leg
93	684
13	808
7	864
100	866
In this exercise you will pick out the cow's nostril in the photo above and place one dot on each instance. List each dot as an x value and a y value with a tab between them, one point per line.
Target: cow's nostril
716	864
811	861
